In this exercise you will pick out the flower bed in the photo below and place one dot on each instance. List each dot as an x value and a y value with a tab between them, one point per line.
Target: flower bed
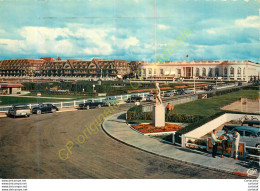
148	128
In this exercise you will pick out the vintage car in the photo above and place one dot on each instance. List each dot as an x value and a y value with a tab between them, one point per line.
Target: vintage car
90	104
134	98
248	135
45	108
169	93
110	101
19	110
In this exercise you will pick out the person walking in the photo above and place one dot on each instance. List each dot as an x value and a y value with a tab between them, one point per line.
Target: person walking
235	144
214	142
224	137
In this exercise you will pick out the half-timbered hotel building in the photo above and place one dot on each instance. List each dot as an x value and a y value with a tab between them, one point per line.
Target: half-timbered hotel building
72	67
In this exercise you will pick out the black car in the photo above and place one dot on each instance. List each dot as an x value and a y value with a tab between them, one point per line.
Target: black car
180	92
90	104
45	108
134	98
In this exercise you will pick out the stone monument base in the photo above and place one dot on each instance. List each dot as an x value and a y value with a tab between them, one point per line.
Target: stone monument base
159	115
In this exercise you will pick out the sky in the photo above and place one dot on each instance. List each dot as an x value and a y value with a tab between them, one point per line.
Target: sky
130	29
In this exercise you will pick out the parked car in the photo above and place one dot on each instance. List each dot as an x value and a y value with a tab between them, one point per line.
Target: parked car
19	110
170	93
91	104
180	92
210	87
248	135
45	108
188	91
134	98
110	101
251	123
150	97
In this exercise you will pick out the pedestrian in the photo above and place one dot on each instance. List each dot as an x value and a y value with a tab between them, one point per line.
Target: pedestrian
224	137
214	142
235	144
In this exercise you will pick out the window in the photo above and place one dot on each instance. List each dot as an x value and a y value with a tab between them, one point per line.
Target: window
161	71
225	71
241	133
210	72
216	72
179	71
150	71
249	134
197	72
232	71
203	71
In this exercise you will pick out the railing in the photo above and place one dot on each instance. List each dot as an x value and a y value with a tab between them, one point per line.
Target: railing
74	103
184	138
251	155
184	144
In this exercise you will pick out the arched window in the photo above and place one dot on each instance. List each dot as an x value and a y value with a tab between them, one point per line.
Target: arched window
203	71
197	72
225	71
232	71
216	71
210	72
239	71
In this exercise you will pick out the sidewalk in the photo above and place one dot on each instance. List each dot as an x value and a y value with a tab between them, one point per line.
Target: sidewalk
116	127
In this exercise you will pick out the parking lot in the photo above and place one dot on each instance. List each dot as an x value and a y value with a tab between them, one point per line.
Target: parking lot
29	149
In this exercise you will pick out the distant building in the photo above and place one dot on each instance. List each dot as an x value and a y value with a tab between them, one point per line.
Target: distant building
227	70
7	88
48	66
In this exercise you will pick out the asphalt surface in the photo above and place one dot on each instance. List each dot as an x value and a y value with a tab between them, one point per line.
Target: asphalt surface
29	149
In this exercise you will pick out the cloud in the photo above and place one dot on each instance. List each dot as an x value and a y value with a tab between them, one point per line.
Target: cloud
249	22
163	27
69	40
126	43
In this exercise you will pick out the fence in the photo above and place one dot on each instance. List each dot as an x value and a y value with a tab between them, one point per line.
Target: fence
74	103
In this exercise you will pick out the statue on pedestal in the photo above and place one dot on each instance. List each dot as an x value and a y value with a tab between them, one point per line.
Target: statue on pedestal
159	109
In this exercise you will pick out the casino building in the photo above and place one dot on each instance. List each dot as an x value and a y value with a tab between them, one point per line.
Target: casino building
226	70
48	66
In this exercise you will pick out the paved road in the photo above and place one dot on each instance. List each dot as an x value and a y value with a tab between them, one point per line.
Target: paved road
29	149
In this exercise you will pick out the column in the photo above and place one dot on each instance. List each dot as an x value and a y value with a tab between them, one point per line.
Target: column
235	73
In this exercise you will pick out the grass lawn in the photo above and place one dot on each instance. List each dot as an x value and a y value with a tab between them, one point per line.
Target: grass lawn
5	100
210	106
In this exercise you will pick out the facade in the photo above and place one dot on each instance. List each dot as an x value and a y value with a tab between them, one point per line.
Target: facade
48	66
227	70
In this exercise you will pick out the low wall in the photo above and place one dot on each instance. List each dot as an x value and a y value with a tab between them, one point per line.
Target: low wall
208	127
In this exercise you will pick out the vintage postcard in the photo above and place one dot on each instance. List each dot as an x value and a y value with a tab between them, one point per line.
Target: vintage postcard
129	89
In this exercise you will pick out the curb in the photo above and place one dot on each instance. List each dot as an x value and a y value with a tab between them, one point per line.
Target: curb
185	162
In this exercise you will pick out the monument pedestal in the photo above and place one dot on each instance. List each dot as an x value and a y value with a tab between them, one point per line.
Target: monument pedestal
159	115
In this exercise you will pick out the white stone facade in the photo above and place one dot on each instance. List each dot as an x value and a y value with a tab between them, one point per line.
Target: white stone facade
227	70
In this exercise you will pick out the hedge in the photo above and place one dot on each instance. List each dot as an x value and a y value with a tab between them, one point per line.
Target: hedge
135	113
